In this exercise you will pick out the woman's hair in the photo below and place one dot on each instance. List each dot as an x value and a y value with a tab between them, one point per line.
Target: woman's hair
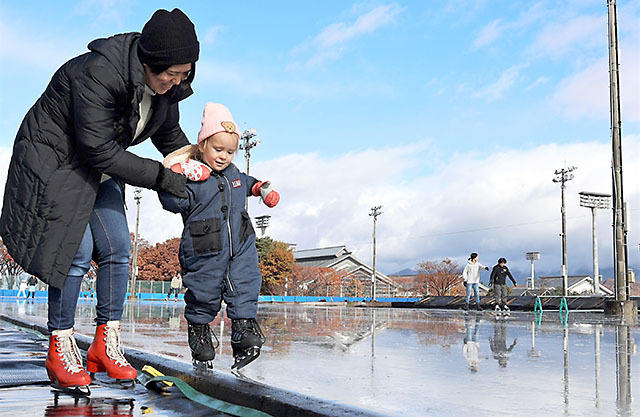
502	260
473	256
157	69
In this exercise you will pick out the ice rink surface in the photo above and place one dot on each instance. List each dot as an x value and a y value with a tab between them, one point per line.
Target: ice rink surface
411	362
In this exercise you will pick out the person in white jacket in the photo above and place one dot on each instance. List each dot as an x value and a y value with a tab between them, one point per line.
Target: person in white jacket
471	275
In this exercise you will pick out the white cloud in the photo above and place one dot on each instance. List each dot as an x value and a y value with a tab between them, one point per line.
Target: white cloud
501	205
539	81
559	38
211	34
496	28
332	41
586	92
497	89
489	33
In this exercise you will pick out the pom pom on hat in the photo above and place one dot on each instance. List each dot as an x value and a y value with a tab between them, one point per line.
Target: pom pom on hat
168	38
216	118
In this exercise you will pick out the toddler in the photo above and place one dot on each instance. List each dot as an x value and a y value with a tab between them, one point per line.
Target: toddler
218	253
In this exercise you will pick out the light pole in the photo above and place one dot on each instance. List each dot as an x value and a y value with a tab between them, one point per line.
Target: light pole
247	144
562	176
134	263
595	201
375	212
263	222
533	256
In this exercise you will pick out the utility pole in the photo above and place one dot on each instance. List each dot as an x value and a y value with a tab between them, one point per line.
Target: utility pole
562	176
622	304
595	201
375	212
134	263
247	144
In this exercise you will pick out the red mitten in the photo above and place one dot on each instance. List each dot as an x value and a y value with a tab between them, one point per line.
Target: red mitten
192	169
263	189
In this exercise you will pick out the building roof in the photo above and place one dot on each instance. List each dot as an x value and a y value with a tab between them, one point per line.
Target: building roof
572	281
328	252
333	257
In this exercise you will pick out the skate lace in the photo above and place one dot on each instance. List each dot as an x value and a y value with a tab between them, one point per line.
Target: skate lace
250	326
204	336
70	353
114	349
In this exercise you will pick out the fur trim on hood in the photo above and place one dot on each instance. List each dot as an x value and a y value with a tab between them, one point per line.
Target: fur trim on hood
180	155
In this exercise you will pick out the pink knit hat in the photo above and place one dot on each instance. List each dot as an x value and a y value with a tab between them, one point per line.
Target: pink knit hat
216	118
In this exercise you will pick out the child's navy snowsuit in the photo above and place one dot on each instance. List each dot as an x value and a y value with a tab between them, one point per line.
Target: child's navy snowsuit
218	252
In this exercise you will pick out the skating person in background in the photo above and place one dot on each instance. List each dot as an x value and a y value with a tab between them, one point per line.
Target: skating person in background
22	289
33	282
471	348
471	275
64	196
498	279
218	251
176	285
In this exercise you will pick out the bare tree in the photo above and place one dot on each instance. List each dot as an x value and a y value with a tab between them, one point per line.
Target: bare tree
439	278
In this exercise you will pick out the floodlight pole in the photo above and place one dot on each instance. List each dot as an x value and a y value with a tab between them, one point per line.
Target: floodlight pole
533	256
375	212
594	201
247	144
134	262
262	222
562	176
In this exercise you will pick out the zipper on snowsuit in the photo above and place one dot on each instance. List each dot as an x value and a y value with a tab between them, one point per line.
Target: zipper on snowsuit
227	214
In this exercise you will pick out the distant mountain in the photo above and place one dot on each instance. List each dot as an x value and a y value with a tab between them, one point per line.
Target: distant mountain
405	272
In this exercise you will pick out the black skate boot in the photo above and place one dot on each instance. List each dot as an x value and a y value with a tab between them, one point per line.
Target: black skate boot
202	348
465	307
246	340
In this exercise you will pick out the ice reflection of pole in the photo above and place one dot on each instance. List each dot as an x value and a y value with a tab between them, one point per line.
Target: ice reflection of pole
533	353
565	347
373	336
623	370
597	355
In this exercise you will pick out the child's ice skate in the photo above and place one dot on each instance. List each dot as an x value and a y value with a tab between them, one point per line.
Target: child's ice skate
246	340
203	351
64	364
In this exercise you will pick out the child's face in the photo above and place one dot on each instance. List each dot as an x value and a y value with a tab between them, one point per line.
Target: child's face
217	151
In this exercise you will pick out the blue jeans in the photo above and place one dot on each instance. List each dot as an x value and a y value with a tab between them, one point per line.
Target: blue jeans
107	239
475	289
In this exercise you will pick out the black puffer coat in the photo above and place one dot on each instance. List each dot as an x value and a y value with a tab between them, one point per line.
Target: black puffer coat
79	129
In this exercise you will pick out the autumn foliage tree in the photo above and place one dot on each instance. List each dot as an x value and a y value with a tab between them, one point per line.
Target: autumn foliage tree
321	281
276	263
159	262
439	278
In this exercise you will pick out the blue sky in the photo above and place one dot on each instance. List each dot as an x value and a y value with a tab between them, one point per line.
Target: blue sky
452	115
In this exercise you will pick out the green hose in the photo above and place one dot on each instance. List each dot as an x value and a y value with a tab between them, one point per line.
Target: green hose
200	398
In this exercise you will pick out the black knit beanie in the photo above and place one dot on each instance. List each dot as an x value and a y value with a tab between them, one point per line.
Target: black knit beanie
168	38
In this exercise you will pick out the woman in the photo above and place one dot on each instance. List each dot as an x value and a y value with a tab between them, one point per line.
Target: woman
64	197
471	275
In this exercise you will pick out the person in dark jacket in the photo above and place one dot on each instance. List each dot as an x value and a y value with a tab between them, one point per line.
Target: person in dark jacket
218	252
498	279
64	196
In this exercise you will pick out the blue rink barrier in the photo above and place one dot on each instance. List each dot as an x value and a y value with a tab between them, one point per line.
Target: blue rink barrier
317	299
263	298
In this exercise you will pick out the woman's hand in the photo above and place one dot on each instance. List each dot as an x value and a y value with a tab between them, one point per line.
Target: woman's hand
171	182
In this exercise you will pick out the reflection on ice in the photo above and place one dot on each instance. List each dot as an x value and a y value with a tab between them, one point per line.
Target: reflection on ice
409	362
